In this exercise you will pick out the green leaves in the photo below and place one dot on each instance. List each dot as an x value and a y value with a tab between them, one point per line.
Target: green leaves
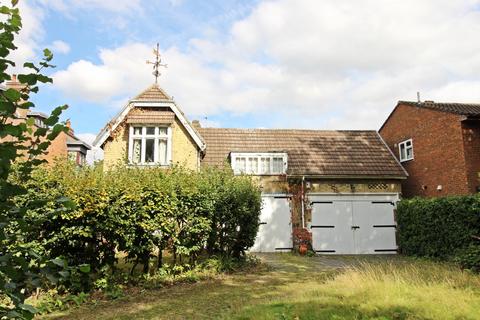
23	265
59	262
32	79
85	268
31	66
28	308
441	228
12	95
55	131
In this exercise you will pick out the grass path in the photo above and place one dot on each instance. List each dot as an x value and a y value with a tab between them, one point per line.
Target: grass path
309	288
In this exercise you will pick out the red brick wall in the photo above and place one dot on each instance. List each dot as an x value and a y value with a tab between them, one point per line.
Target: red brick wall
57	149
437	148
471	143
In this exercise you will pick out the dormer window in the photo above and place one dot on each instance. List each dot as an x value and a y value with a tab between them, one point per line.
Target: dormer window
39	122
259	163
150	145
405	149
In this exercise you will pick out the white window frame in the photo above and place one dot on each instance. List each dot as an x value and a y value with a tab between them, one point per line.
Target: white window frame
235	155
157	136
404	144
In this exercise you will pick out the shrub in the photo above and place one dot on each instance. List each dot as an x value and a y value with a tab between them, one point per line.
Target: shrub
469	258
442	228
141	212
235	222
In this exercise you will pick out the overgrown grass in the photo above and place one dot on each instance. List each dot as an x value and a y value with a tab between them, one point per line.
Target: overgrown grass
108	285
310	288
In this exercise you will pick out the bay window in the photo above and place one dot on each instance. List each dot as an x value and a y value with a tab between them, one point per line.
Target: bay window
149	145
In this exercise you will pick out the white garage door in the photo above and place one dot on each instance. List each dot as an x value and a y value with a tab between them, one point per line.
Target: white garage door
275	229
353	224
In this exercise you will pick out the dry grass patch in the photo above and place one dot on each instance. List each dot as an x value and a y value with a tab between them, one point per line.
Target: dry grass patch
371	288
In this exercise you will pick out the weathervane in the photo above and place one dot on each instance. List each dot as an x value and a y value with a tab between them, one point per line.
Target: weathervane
157	63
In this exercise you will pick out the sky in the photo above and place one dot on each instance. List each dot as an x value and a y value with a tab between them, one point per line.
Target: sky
313	64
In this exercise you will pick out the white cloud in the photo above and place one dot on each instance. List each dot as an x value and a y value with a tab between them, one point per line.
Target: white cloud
34	12
30	35
96	153
122	72
59	46
316	63
175	3
87	137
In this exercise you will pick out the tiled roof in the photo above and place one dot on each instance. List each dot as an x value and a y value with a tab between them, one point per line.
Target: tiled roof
37	114
467	109
166	117
153	93
310	152
74	140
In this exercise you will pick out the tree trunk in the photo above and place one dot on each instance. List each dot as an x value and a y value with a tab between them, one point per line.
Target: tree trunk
160	258
134	266
146	261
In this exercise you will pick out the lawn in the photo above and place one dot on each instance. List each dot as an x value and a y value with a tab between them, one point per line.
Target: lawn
294	287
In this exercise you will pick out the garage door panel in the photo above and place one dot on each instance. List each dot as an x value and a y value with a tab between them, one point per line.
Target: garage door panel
330	226
376	232
357	225
275	229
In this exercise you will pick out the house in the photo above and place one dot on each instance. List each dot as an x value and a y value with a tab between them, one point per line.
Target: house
335	190
65	146
439	146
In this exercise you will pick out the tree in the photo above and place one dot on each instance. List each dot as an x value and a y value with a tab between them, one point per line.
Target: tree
22	269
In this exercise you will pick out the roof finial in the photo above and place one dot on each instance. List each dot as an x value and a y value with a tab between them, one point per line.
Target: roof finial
157	63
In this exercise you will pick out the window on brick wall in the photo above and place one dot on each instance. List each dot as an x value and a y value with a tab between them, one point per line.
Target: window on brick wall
149	145
405	150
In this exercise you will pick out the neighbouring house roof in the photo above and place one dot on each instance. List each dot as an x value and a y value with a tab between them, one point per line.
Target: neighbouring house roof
152	97
310	152
37	114
467	109
73	140
464	109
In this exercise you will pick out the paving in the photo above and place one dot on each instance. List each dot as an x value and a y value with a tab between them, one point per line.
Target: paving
289	262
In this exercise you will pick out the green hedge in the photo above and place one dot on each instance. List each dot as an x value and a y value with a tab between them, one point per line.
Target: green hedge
442	228
88	215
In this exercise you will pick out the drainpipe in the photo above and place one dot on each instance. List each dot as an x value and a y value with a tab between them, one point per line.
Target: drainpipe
303	203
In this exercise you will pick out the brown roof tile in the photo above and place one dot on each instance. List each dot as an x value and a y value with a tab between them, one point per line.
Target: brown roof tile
468	109
310	152
166	117
153	93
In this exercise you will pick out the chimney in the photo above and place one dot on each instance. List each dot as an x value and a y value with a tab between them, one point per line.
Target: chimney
68	124
14	84
196	124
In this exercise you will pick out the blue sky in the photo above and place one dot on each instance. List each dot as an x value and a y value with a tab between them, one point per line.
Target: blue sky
285	63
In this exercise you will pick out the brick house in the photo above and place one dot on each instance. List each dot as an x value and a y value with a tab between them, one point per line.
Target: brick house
65	146
336	190
439	146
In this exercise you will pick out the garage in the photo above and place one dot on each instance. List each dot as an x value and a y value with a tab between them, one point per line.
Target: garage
355	224
275	229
